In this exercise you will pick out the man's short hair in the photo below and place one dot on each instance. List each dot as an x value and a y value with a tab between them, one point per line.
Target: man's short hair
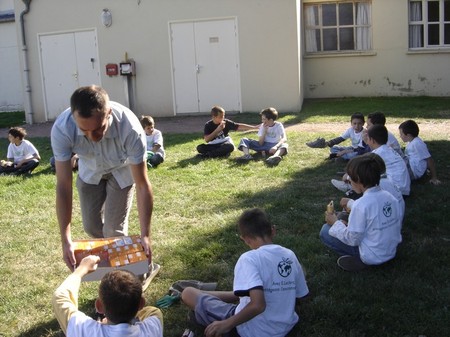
217	111
89	100
409	127
120	292
378	133
364	170
269	113
254	223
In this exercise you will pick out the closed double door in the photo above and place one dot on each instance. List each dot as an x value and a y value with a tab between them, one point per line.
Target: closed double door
205	65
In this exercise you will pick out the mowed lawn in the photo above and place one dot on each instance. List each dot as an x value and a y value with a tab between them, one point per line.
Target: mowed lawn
194	230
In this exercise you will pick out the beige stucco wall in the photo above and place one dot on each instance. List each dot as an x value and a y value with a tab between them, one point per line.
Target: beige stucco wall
390	71
268	46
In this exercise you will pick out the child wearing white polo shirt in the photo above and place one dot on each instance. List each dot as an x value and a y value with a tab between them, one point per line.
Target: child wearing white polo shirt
418	158
374	226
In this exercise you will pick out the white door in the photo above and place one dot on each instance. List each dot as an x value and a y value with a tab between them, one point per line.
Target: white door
68	61
205	66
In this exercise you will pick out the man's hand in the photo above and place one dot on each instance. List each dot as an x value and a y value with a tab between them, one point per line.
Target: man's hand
145	241
69	255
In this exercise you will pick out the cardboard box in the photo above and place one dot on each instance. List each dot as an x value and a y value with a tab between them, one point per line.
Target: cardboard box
122	252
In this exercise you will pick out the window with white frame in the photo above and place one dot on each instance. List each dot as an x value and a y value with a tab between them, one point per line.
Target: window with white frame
340	26
429	23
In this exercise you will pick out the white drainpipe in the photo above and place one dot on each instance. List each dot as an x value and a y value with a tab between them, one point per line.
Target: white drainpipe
26	70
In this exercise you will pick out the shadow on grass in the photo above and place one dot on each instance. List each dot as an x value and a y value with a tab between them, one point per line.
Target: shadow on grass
378	299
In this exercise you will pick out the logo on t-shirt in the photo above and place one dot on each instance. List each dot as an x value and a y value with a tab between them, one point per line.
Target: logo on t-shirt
387	209
284	267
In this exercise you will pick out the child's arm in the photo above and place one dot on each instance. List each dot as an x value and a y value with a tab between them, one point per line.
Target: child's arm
213	135
65	298
263	131
155	148
430	164
244	127
256	306
23	161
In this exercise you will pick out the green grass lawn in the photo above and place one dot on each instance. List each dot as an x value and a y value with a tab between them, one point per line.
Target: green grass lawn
194	236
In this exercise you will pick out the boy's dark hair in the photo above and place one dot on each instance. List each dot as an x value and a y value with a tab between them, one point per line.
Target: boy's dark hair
377	118
217	110
147	121
378	159
269	113
120	292
378	133
17	132
89	100
254	223
357	115
365	170
409	127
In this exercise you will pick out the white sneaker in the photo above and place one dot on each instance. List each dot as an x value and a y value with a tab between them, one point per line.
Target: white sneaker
341	185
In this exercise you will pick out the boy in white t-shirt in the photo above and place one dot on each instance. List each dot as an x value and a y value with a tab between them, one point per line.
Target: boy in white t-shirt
418	158
155	146
268	282
373	231
272	139
22	156
396	169
119	302
354	133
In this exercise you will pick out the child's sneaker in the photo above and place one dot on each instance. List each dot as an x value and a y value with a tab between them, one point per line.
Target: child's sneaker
318	143
341	185
351	263
245	157
273	160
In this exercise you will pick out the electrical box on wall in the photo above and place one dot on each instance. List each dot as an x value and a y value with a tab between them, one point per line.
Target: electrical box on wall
112	69
127	68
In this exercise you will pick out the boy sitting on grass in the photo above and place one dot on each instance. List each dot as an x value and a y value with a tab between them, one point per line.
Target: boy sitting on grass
417	157
22	156
155	147
218	142
354	133
268	282
120	301
272	139
374	226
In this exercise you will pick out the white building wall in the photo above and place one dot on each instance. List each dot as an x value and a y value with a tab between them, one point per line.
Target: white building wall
11	93
268	46
391	70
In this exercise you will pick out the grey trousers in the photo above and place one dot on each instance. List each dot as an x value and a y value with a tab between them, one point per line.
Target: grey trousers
105	207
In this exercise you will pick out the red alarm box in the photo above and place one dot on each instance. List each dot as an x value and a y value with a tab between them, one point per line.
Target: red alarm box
112	69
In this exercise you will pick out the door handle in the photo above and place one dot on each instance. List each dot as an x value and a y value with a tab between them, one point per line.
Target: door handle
197	68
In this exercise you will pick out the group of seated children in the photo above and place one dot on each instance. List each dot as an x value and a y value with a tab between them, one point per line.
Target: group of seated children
272	140
22	156
368	229
268	284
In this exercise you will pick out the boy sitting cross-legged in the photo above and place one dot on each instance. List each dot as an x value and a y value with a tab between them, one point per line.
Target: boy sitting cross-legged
268	281
218	143
374	226
22	157
272	139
